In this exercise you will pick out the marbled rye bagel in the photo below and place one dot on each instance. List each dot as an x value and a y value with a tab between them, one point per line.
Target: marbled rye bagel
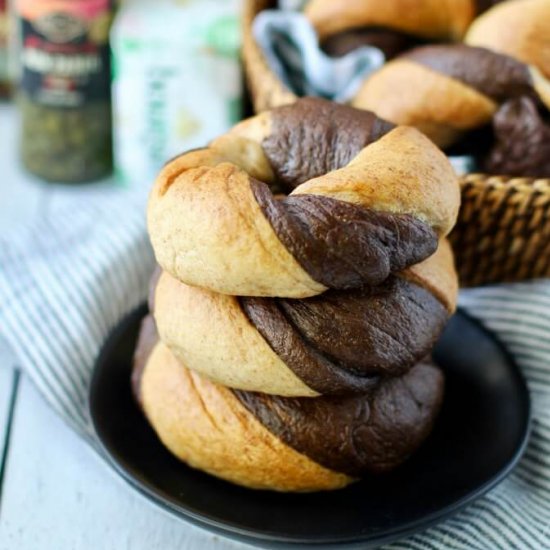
335	343
449	91
429	19
392	26
288	342
366	200
285	444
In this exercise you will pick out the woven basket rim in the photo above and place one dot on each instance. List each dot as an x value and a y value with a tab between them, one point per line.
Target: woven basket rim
516	184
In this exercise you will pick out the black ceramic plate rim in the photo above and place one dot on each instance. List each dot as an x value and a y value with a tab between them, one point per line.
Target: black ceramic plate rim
203	520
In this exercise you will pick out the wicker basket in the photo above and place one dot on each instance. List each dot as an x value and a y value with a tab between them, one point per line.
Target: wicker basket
266	90
503	230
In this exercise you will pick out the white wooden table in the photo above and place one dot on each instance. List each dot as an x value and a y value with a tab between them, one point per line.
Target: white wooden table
55	493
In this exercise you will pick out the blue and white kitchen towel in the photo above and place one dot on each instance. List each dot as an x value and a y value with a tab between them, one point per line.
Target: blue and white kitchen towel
292	51
68	280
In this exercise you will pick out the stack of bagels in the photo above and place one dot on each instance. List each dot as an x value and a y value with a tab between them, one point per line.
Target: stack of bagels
304	278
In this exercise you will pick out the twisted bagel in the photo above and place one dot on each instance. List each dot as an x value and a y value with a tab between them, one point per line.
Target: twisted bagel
341	382
367	200
284	444
430	19
336	343
518	28
448	91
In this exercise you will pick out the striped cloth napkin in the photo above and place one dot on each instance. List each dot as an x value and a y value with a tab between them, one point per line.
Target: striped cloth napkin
68	280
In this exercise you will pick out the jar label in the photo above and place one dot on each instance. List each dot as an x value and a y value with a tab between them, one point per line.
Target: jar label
65	51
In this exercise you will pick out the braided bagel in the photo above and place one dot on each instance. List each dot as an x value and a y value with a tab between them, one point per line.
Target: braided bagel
336	343
449	91
430	19
366	200
278	443
519	28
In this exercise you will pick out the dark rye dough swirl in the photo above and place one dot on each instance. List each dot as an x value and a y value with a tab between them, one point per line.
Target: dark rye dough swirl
285	444
495	104
367	200
337	343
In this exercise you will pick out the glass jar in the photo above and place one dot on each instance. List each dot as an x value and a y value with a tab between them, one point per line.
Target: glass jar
64	88
177	80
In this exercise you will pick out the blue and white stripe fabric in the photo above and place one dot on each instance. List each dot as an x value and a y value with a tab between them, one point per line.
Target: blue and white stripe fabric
66	282
291	48
516	514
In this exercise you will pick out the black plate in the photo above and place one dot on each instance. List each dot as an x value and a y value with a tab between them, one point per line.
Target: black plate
479	436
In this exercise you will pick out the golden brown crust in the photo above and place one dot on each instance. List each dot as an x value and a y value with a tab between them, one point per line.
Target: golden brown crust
215	181
436	19
402	173
210	334
441	107
370	432
207	427
519	28
488	102
541	85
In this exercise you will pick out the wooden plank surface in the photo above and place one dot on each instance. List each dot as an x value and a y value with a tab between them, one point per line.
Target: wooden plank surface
59	495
